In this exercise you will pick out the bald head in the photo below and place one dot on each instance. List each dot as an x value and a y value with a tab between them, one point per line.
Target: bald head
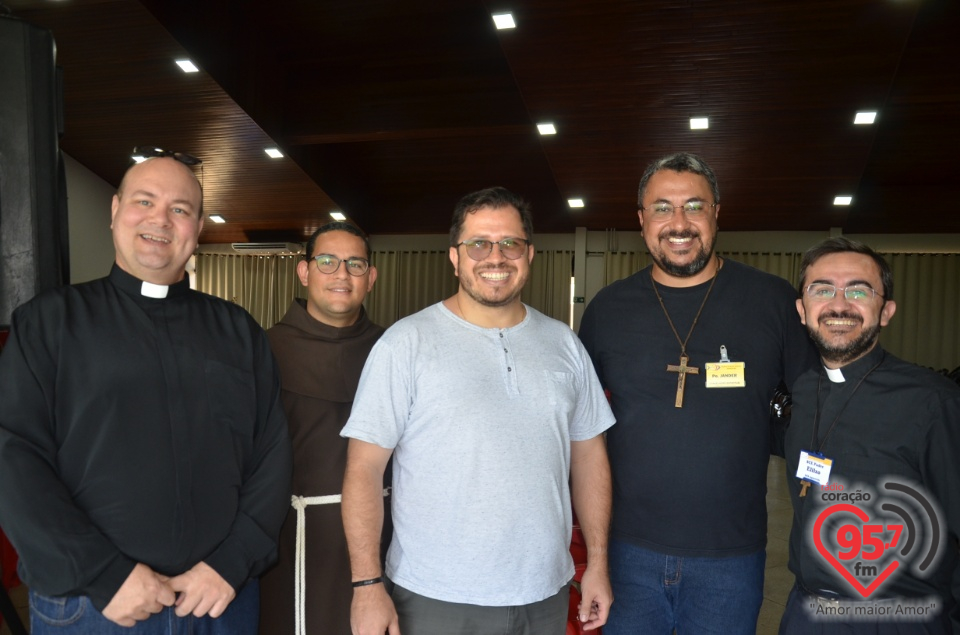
156	218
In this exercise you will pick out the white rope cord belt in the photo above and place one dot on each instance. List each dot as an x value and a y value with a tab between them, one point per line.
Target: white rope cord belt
300	503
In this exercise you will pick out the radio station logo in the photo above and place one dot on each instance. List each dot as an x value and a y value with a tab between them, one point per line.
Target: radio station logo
869	537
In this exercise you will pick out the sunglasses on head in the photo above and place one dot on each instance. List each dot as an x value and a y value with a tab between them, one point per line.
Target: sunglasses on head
142	153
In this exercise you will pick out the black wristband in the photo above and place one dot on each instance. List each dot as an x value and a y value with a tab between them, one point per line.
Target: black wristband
366	582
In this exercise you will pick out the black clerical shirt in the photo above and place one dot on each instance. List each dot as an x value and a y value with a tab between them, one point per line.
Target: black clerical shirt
888	421
139	429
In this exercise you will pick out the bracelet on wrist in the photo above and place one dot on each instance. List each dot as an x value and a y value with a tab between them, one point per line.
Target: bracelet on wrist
360	583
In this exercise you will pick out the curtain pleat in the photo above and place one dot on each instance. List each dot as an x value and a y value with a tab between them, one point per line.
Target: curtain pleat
263	285
548	289
926	326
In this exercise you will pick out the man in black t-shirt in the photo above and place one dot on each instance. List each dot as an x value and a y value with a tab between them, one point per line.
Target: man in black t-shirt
691	349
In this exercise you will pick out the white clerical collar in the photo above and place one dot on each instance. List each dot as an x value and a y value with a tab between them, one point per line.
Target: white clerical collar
835	375
151	290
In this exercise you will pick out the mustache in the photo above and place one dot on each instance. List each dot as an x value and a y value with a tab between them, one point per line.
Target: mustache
672	233
840	315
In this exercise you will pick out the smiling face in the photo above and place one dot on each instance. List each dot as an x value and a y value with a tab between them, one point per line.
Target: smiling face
495	281
680	245
336	298
844	331
156	220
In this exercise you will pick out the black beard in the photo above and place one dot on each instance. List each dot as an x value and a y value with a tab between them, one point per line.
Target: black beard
471	291
849	352
689	270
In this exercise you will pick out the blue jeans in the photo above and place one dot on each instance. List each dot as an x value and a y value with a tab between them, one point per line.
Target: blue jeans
75	615
656	593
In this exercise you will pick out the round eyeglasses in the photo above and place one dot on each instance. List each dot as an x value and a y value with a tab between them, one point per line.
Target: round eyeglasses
328	263
822	292
511	248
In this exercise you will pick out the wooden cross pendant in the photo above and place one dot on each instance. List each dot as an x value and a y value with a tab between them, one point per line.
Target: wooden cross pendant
682	369
804	485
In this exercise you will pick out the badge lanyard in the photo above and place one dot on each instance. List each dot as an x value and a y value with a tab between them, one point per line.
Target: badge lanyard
819	465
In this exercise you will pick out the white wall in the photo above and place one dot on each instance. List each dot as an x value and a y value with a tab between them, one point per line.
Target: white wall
88	213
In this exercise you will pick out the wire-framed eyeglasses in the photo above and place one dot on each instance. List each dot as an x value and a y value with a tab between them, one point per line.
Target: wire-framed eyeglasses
822	292
692	209
511	248
328	263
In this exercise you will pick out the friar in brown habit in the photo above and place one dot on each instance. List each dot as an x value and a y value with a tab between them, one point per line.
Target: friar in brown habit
321	345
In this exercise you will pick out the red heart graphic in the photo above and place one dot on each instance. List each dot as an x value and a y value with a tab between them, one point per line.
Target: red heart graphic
863	516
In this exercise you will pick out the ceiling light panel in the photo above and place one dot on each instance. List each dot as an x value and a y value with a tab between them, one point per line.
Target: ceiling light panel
187	66
842	200
273	153
575	202
699	123
504	21
546	128
865	118
338	216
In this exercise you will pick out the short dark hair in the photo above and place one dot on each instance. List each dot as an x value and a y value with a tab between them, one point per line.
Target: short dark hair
340	226
495	198
679	162
840	245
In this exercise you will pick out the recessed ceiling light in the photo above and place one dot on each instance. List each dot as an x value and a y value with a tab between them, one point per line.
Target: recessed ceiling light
575	202
699	123
187	66
842	200
546	128
504	20
337	216
864	118
217	218
273	153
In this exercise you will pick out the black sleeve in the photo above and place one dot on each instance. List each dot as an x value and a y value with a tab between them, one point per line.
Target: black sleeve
251	546
62	552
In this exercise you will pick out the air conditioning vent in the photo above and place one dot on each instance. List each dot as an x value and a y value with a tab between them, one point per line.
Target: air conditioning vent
267	248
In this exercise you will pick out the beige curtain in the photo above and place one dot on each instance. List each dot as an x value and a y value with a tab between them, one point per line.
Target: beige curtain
412	280
408	281
548	289
926	327
263	285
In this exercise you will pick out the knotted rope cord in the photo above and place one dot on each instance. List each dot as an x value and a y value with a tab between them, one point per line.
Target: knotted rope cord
300	503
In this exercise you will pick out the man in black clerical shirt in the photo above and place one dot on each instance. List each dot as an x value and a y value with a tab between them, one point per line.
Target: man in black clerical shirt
871	455
321	345
144	453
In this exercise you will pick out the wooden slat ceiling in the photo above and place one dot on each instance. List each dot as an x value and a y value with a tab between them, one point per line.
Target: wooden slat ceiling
390	111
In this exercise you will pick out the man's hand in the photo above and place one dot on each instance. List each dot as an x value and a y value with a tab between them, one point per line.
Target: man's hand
595	599
142	594
372	612
202	592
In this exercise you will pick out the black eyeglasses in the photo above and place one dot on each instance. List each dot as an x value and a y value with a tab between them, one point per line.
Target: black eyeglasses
142	153
512	248
327	263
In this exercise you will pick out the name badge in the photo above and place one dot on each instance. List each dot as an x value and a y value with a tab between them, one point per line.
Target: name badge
726	374
814	468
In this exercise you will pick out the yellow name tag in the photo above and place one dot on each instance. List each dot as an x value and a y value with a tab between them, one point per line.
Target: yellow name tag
726	375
